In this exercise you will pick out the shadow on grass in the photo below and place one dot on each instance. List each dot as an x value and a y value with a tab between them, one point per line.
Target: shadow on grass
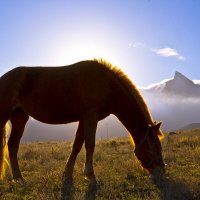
90	194
172	189
68	191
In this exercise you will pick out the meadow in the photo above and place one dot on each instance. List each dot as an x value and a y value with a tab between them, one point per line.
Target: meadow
118	172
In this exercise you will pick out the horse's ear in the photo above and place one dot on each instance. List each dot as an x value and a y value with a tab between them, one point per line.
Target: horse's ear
157	126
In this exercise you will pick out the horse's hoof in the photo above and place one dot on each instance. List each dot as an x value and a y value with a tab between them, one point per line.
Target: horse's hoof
93	185
67	189
20	181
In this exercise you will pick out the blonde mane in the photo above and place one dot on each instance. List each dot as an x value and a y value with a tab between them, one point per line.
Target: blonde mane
128	87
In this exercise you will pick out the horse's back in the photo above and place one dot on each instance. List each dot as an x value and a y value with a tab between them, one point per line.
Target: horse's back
59	94
84	78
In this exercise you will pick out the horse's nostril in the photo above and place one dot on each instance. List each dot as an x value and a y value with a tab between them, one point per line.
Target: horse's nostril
158	171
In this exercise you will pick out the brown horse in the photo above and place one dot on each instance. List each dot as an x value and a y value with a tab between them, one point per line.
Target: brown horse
87	92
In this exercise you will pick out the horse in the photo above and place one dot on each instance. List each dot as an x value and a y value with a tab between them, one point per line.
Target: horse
87	91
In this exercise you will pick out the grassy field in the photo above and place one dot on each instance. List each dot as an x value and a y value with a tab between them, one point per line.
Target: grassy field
118	172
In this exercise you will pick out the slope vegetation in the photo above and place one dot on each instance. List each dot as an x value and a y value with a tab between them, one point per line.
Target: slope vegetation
119	174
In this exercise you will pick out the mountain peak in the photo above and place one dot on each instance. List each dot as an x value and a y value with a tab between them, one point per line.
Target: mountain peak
182	86
179	85
178	76
181	79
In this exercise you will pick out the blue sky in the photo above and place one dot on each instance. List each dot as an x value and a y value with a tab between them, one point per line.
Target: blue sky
148	39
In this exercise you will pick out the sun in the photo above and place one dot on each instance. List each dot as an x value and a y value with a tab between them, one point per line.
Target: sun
86	51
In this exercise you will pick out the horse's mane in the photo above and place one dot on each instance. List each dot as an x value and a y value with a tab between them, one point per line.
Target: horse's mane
128	87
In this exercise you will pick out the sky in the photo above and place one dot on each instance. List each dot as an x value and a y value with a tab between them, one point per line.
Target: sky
148	39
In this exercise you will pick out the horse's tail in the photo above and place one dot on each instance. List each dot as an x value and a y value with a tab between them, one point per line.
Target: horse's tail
4	151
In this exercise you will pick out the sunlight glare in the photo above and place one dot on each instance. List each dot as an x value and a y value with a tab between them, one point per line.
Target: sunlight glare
81	52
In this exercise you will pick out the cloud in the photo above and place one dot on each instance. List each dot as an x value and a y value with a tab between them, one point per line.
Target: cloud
168	52
136	44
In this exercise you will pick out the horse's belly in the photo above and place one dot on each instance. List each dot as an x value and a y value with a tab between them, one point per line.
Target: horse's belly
52	112
63	103
58	117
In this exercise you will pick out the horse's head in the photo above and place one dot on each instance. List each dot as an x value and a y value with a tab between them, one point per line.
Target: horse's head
149	151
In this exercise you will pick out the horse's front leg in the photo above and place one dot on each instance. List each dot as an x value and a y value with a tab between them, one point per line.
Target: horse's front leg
18	120
90	125
67	175
77	145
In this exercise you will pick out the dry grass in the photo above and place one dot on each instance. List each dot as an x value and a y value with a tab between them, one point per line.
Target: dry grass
118	172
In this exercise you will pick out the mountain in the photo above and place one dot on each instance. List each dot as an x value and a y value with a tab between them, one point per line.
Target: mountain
180	85
175	101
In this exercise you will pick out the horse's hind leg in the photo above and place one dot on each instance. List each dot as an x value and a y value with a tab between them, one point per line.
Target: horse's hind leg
90	125
18	120
3	119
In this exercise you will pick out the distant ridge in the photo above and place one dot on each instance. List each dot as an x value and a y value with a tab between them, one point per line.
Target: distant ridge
191	126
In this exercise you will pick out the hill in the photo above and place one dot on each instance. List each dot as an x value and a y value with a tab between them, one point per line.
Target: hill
119	174
191	127
37	131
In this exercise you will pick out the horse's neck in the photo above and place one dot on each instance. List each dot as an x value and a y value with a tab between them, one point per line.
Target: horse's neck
132	117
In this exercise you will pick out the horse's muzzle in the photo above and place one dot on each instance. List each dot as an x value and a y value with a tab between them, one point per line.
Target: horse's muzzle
158	171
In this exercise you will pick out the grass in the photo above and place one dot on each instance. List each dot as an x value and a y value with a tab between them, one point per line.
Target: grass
118	172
